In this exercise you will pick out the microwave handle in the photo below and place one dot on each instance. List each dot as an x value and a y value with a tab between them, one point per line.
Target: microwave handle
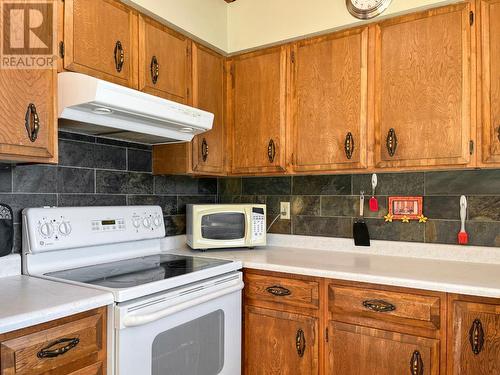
134	320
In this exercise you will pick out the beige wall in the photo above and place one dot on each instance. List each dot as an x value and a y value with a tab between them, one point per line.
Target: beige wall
204	19
247	24
253	23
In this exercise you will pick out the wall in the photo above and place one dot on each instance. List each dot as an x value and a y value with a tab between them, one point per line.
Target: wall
328	205
100	172
253	23
202	19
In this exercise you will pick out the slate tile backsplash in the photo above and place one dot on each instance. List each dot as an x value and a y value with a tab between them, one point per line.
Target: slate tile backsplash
101	172
327	205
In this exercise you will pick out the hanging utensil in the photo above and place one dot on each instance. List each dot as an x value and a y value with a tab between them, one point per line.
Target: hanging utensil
463	237
360	230
373	203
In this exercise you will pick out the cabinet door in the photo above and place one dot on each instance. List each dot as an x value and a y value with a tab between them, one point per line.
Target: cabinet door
18	89
100	38
280	343
354	350
475	339
490	41
208	94
164	68
258	102
330	101
422	88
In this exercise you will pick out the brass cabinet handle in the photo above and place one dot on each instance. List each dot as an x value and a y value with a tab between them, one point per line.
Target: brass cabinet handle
155	70
416	364
476	337
48	353
32	122
379	305
391	142
349	145
278	291
119	56
204	150
271	151
300	343
498	131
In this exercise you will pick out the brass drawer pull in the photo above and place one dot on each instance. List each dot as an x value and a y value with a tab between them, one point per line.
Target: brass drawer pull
379	305
278	291
155	70
119	56
32	122
391	142
476	337
48	353
349	145
416	364
300	343
204	150
271	151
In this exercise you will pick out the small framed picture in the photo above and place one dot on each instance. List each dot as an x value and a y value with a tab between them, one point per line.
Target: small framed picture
405	207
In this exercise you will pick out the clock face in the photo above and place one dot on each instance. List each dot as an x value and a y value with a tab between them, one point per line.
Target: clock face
366	9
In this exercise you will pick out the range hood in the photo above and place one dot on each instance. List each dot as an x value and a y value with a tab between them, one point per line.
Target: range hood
95	107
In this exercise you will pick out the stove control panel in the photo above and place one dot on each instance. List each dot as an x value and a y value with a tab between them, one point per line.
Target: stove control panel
46	229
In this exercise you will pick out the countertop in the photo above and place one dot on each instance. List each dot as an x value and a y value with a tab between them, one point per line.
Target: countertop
438	268
27	301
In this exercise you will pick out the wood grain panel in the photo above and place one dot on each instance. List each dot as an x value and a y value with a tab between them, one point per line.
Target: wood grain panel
490	80
463	312
423	87
259	96
270	343
172	51
91	30
330	99
95	369
357	350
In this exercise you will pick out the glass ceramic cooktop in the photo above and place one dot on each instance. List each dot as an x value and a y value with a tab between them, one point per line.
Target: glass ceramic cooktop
138	271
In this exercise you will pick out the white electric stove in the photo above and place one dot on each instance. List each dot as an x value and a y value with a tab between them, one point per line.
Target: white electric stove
172	314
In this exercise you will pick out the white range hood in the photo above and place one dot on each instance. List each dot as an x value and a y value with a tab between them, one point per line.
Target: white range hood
92	106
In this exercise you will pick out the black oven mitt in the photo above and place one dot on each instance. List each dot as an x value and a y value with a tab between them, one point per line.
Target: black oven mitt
6	230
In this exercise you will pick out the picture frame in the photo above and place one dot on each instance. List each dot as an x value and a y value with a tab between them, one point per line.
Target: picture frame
410	208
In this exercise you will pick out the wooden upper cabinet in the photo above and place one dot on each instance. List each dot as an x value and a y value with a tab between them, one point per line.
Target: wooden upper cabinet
164	64
423	88
208	95
329	101
28	95
100	39
258	111
490	42
277	342
475	337
357	350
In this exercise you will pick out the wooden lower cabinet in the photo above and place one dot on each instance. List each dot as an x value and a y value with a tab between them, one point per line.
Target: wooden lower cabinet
279	342
356	349
74	345
474	345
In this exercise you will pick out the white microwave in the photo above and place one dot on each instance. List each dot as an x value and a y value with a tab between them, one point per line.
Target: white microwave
217	226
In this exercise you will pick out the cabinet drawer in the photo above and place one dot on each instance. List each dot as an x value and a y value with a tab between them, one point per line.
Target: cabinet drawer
55	348
95	369
395	307
288	291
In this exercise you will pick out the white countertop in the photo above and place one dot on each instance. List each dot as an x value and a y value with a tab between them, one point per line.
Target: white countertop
27	301
439	268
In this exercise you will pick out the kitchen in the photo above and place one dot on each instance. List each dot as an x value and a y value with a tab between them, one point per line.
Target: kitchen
249	186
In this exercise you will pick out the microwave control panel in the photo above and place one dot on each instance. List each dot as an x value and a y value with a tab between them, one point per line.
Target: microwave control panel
258	224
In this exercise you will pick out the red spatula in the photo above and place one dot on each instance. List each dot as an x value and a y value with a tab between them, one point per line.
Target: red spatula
373	203
463	237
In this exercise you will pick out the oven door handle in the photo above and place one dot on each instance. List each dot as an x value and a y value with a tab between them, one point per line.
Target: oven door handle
134	320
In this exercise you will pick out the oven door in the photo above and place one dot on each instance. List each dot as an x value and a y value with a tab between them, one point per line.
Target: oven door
193	330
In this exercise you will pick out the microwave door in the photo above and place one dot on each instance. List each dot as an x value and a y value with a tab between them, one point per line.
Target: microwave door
224	228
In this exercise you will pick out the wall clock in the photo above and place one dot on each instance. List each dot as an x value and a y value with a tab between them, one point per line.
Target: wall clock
366	9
